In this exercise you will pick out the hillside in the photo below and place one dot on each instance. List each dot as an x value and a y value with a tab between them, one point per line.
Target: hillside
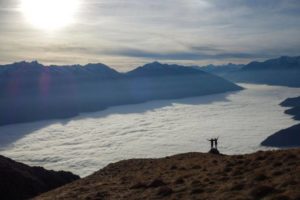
291	102
19	181
31	91
295	104
295	111
273	175
288	137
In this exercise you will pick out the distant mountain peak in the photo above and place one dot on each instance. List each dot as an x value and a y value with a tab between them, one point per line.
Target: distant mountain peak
153	65
26	63
159	69
100	68
96	66
156	63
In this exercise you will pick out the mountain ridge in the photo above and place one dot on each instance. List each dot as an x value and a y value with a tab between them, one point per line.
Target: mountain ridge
220	69
283	71
283	62
34	67
261	175
20	181
157	68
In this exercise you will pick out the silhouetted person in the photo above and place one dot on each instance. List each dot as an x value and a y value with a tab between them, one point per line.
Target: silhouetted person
216	142
211	143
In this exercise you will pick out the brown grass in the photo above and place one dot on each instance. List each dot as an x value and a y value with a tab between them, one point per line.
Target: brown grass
272	175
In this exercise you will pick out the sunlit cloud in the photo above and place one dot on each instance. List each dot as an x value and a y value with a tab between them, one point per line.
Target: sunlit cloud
49	14
137	31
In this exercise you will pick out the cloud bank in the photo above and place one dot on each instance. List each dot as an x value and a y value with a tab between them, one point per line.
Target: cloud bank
86	143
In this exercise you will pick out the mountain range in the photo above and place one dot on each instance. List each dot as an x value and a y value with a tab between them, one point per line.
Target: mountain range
30	91
221	69
282	63
283	71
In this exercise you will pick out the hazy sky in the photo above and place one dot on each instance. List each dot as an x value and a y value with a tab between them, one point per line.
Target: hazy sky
127	33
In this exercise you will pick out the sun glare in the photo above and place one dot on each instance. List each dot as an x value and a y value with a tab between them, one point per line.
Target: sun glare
49	14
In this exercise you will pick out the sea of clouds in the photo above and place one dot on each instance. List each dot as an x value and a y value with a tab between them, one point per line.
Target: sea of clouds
86	143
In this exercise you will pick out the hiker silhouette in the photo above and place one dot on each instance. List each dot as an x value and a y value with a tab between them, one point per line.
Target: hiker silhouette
214	143
211	143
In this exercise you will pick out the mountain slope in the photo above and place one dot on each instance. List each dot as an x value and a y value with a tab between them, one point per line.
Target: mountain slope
262	175
291	102
162	81
289	137
19	181
295	104
31	91
295	111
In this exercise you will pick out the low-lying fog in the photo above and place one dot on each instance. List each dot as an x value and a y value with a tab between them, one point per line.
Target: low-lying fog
86	143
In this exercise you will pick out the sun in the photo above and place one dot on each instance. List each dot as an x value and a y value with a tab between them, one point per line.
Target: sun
49	14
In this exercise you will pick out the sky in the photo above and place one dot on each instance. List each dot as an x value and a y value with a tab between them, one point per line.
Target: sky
126	34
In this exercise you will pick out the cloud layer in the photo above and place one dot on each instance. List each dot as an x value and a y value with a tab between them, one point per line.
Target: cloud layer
128	33
89	142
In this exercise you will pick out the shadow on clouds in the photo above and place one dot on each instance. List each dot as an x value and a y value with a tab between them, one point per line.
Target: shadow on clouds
12	133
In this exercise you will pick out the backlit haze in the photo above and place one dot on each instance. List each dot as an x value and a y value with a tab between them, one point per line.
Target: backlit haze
124	34
49	15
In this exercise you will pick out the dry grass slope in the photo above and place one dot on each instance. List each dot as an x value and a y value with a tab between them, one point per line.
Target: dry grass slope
272	175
